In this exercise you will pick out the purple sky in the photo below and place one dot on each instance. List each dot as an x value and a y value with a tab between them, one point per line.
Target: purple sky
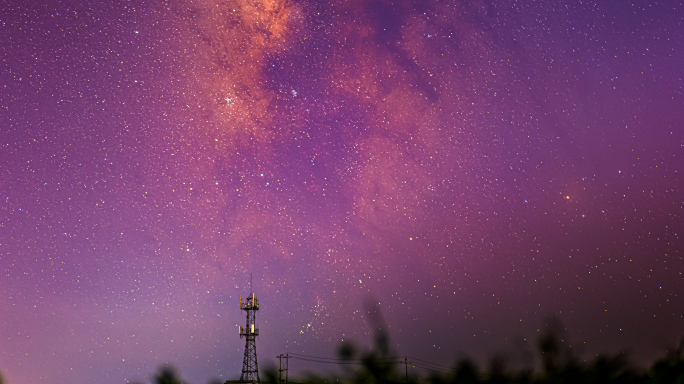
472	166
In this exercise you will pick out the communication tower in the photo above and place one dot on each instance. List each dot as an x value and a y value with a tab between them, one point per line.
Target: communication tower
250	369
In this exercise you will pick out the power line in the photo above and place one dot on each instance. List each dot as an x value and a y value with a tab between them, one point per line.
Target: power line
426	367
401	360
431	363
340	361
325	361
419	363
332	359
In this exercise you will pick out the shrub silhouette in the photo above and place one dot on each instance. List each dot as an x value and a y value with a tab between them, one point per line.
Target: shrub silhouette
168	375
669	369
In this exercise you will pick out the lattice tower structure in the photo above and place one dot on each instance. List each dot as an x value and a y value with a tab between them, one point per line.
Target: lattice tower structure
250	368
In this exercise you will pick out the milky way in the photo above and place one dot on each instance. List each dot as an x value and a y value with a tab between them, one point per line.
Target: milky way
470	166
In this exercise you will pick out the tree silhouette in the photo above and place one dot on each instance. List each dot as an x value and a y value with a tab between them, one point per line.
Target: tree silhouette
168	375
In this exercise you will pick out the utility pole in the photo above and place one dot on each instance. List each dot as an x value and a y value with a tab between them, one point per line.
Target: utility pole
280	369
286	369
250	368
406	366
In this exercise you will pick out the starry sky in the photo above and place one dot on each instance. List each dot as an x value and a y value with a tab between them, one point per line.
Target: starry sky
471	166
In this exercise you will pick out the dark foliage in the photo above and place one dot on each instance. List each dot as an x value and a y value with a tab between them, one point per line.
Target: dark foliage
558	364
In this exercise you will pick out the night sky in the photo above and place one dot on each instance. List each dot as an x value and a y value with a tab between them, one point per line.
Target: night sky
470	166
